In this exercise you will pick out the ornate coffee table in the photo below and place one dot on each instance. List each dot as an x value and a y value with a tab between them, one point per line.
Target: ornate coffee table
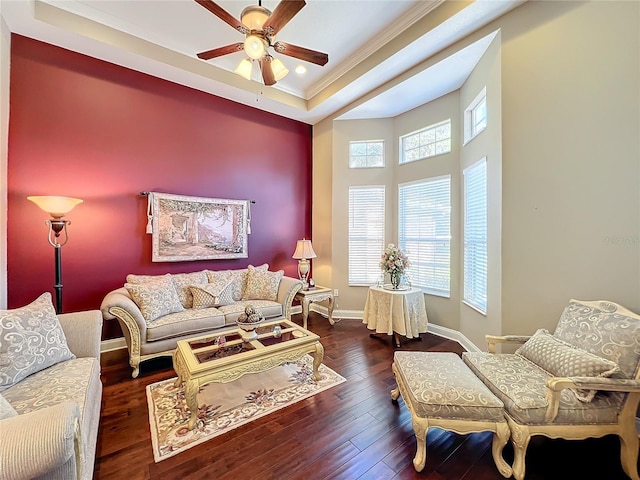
225	356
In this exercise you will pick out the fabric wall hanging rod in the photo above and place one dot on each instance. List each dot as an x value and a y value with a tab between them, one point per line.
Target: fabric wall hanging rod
143	193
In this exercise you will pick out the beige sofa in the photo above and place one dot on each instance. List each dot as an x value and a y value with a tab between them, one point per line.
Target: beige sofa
155	311
49	418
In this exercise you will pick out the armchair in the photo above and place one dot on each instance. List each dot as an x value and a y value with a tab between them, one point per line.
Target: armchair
51	418
581	381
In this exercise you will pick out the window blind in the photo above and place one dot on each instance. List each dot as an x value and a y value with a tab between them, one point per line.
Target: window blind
424	227
475	236
366	233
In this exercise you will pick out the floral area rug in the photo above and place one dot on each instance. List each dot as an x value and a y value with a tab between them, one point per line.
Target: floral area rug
225	406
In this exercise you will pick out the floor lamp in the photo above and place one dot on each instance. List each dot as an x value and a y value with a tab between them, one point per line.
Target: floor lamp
57	207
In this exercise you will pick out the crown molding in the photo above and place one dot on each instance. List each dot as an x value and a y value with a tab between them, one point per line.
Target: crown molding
404	22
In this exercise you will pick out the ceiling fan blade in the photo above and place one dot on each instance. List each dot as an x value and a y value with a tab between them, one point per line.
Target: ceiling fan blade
223	15
218	52
267	72
302	53
284	12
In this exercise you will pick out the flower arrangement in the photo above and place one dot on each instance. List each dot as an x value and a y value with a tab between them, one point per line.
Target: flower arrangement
394	262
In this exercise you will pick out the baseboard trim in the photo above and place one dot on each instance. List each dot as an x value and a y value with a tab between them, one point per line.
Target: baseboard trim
120	343
454	335
112	344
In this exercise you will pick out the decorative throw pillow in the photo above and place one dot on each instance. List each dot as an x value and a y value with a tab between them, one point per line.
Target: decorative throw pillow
238	277
561	359
6	410
212	295
137	279
31	339
183	282
155	299
262	285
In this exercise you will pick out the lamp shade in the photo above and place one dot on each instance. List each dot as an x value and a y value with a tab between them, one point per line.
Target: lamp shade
304	249
244	69
278	68
254	16
255	47
57	207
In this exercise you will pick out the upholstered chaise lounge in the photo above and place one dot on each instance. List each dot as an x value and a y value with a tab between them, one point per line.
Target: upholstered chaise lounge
581	381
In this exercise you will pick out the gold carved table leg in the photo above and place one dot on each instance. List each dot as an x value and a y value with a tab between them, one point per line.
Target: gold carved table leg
318	355
179	367
191	388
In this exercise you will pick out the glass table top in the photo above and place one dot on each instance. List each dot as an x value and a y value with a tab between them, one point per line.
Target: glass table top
231	342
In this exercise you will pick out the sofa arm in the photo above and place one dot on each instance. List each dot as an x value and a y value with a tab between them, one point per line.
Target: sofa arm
555	385
493	340
41	441
83	331
286	293
118	304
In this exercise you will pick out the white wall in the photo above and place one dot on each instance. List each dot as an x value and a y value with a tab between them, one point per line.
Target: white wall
344	131
5	54
571	158
440	310
570	188
486	144
321	204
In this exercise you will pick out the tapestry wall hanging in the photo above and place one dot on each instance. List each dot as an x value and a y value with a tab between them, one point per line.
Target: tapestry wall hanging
196	228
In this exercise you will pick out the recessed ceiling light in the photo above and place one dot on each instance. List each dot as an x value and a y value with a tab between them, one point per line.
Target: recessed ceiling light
300	69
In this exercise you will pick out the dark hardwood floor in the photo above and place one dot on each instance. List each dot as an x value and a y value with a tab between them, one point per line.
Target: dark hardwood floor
351	431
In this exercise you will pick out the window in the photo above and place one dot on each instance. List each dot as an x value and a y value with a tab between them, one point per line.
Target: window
428	142
366	233
475	116
475	236
366	154
425	232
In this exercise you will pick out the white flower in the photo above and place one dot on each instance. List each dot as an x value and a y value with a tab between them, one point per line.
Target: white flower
393	261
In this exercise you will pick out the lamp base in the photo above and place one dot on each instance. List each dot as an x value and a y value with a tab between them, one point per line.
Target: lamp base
303	272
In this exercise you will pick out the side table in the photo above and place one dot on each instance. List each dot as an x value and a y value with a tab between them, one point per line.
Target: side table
315	294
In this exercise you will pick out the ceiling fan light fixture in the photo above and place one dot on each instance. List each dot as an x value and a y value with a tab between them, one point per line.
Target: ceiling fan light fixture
245	68
278	68
255	47
254	16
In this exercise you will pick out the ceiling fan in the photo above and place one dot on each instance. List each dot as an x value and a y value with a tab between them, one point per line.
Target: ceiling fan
260	26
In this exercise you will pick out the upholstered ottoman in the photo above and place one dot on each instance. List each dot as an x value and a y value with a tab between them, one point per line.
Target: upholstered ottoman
440	391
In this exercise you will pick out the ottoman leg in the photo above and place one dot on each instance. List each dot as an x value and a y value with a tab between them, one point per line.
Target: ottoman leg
420	429
500	439
395	394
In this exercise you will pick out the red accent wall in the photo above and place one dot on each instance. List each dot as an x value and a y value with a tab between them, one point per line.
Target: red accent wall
85	128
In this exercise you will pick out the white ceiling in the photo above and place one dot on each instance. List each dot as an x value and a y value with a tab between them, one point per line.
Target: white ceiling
369	43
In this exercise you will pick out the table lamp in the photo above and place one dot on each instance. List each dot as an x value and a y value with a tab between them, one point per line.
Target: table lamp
304	251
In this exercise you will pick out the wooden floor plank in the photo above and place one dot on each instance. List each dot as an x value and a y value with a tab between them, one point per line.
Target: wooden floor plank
351	431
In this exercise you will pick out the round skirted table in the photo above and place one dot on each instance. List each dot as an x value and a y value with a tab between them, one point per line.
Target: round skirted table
396	312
